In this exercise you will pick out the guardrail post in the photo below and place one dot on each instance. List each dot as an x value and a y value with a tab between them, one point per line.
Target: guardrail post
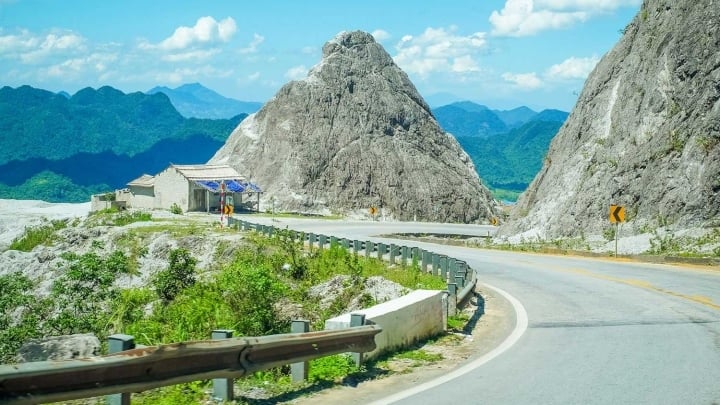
368	248
443	267
357	320
414	254
393	252
357	246
311	240
119	343
345	243
405	252
380	250
452	298
435	264
299	371
425	260
322	240
223	387
461	272
452	267
333	240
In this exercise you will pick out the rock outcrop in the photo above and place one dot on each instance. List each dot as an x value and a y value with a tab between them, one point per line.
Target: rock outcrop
355	134
645	133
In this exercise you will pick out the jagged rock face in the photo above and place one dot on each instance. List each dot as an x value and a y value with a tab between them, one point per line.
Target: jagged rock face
354	134
645	133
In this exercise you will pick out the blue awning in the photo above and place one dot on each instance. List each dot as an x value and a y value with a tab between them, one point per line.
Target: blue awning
234	186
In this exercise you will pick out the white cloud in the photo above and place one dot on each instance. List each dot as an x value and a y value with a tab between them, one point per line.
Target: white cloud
296	73
32	49
528	17
197	55
572	68
205	31
465	64
185	75
253	77
96	62
309	50
13	44
380	35
525	81
519	18
439	50
252	47
587	5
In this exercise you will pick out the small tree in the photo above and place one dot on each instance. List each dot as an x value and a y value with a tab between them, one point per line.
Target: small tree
179	275
175	209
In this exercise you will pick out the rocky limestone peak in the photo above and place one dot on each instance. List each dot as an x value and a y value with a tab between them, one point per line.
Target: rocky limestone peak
353	134
644	134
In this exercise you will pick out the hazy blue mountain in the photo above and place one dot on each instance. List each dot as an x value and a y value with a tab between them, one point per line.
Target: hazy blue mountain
469	119
196	101
551	115
470	106
64	94
509	159
515	117
94	139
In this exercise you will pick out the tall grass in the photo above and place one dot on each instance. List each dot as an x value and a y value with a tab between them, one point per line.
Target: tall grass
37	235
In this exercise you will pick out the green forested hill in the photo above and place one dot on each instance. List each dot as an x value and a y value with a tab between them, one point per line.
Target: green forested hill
95	139
36	123
507	163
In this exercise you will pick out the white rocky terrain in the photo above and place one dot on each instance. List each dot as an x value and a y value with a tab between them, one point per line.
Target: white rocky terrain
356	134
644	134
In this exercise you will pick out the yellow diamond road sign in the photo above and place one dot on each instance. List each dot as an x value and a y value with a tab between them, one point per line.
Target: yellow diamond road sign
373	211
617	214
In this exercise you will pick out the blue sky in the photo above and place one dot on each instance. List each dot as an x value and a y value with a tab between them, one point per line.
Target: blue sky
501	53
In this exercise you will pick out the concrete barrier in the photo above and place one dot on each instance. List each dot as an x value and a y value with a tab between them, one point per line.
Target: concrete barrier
404	321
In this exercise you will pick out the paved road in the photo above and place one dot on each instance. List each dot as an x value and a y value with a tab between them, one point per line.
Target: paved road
599	331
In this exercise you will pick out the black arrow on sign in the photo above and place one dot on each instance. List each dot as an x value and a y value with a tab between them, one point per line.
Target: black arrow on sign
616	213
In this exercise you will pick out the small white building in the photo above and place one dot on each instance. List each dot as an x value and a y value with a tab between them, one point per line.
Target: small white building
191	187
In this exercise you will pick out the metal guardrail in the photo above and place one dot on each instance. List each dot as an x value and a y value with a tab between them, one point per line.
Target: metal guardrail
151	367
460	277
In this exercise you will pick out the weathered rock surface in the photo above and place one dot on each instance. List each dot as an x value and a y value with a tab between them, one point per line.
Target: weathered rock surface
66	347
354	134
645	133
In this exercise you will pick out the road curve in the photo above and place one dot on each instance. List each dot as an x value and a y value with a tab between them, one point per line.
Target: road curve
598	331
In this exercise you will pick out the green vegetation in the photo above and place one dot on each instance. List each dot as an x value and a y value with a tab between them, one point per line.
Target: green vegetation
113	217
457	322
175	209
508	162
51	187
247	290
179	275
37	235
92	121
49	141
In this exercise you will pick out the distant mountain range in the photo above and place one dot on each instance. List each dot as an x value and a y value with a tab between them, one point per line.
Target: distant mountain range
63	148
196	101
507	147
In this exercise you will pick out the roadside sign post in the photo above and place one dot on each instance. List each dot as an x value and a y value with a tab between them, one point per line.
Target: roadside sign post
617	215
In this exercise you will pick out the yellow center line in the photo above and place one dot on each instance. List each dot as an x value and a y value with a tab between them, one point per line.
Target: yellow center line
699	299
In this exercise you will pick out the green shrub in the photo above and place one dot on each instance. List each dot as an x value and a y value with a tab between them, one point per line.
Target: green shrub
175	209
82	294
179	275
